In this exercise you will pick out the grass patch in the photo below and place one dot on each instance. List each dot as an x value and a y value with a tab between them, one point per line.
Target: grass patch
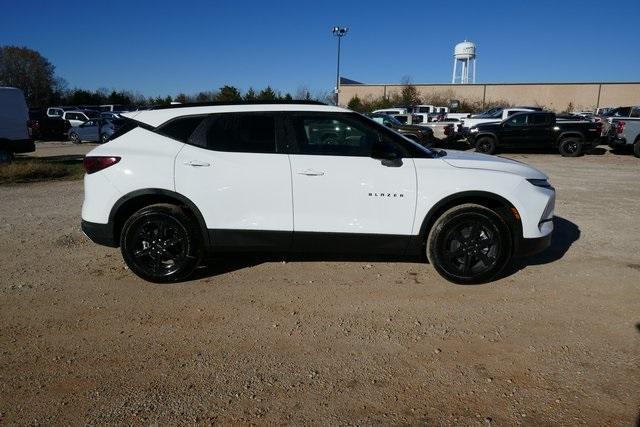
35	170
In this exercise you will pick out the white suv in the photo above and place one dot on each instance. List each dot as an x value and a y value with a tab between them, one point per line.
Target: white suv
176	184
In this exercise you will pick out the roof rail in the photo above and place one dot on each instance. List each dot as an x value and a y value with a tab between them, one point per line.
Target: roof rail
213	104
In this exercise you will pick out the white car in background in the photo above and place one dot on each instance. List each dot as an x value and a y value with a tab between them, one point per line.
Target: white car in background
78	117
178	183
497	115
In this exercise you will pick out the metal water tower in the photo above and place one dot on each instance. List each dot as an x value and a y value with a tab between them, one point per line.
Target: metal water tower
465	53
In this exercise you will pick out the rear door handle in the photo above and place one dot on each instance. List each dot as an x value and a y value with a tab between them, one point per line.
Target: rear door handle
311	172
197	163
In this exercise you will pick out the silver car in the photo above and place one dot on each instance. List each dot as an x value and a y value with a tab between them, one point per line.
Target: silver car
88	131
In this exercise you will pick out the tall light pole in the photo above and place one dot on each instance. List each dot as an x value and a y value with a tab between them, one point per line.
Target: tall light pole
339	32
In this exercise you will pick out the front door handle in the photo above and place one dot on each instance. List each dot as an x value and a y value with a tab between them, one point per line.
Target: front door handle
197	163
311	172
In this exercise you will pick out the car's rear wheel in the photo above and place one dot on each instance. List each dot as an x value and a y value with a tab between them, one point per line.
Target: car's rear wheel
5	155
469	244
570	147
161	243
74	138
104	138
486	145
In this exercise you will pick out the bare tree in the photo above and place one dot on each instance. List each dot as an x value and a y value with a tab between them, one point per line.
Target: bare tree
26	69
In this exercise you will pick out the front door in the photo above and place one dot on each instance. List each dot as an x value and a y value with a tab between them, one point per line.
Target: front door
232	169
344	199
514	131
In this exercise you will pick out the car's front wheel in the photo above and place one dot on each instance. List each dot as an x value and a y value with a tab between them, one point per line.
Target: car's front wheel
74	138
161	243
469	244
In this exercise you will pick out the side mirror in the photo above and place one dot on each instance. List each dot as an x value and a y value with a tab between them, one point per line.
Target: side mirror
387	156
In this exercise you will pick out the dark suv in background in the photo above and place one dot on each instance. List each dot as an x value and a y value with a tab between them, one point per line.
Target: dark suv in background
420	134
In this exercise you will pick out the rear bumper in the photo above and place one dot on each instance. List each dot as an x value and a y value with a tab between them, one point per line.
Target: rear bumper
101	234
617	142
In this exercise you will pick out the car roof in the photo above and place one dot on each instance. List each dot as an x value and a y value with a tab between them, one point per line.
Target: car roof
160	115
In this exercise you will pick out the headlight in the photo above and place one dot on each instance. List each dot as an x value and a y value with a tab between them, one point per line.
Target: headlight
473	130
540	183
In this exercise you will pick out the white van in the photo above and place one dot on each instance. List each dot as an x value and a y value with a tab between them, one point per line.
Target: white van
14	132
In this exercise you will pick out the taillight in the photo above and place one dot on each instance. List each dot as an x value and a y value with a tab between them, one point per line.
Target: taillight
97	163
448	130
620	127
599	128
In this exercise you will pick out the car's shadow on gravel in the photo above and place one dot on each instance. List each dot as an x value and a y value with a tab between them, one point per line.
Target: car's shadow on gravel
565	233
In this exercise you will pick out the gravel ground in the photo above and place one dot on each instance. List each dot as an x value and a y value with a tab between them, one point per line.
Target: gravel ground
556	341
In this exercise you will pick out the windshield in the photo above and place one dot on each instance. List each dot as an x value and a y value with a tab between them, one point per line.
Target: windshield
494	115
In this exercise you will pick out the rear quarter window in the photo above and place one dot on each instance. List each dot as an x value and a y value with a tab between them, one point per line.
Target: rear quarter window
180	128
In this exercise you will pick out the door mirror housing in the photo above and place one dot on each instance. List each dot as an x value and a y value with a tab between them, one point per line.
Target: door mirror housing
387	155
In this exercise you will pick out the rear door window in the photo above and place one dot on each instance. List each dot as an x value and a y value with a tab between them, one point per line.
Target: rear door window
237	132
538	119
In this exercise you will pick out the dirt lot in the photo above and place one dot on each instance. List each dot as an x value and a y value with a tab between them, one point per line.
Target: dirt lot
557	340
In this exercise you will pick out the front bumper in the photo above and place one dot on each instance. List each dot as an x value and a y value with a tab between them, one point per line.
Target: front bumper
528	247
101	234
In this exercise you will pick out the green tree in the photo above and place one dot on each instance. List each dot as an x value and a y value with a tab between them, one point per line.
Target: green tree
228	94
355	104
288	97
29	71
182	98
250	95
267	94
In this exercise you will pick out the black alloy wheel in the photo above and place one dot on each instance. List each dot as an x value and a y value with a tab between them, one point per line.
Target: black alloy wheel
570	147
469	244
160	244
486	145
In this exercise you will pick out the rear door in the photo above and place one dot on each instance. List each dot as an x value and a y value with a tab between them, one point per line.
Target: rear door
345	200
234	171
540	130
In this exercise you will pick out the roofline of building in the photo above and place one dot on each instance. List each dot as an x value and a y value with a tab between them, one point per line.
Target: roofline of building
492	84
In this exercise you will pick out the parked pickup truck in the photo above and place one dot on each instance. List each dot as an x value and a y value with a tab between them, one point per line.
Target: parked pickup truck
624	132
536	129
496	116
44	127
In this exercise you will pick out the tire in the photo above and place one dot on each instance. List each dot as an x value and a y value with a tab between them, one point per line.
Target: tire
469	244
104	138
161	243
636	148
5	156
486	145
570	147
74	138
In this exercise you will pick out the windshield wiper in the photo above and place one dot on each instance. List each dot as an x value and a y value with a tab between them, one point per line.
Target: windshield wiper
439	153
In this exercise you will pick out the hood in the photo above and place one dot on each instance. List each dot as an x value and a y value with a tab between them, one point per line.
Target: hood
488	125
469	160
414	128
